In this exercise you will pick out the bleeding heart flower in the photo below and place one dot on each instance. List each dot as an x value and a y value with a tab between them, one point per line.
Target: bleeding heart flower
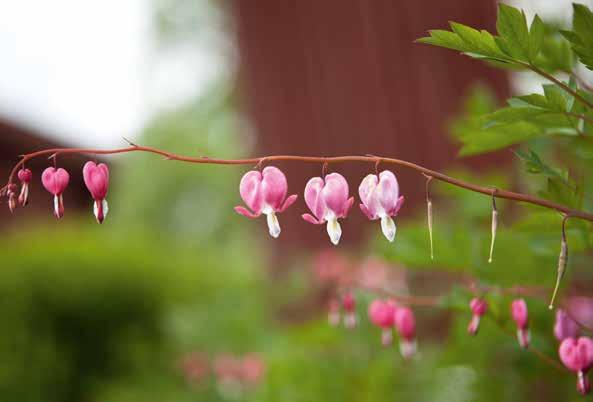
521	317
382	314
564	326
328	200
405	322
478	307
380	200
577	356
55	181
25	176
11	194
265	192
333	313
96	179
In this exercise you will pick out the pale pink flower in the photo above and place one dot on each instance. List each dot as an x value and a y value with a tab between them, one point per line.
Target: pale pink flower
405	322
577	356
328	200
253	368
349	305
521	317
25	176
564	326
265	192
96	179
55	181
382	314
380	200
478	307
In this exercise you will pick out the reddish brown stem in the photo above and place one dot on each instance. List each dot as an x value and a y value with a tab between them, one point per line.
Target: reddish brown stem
510	195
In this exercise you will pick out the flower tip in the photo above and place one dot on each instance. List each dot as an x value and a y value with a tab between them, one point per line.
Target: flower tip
388	227
273	225
334	231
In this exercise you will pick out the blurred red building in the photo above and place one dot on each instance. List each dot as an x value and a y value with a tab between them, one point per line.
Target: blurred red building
339	77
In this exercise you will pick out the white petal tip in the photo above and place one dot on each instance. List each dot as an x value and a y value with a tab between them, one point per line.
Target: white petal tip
388	227
273	225
334	231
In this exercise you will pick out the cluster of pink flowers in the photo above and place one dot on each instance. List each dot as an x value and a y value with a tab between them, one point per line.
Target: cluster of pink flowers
56	180
228	370
327	197
389	315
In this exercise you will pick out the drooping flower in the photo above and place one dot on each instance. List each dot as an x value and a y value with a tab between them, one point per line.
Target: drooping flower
564	326
382	314
478	307
96	179
55	181
380	200
11	195
349	304
265	192
25	176
521	317
328	200
405	322
577	356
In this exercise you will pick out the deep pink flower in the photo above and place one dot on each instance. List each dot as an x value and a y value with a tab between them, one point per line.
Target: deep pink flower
253	369
577	356
349	304
521	317
564	326
328	200
478	307
55	181
96	178
380	200
25	176
265	192
382	314
405	322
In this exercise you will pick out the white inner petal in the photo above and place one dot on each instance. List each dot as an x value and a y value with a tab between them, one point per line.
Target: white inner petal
273	224
334	230
388	227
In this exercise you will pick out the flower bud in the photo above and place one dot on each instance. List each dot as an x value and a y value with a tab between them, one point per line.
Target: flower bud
25	176
564	326
382	314
405	322
521	317
349	304
478	307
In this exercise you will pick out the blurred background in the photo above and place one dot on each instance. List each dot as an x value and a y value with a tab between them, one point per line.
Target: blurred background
176	297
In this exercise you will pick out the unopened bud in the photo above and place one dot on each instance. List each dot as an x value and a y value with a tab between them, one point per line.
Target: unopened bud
494	227
562	261
429	215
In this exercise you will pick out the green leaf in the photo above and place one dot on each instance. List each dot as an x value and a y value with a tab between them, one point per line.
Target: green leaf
534	164
536	37
478	140
536	100
555	97
477	42
514	35
581	36
446	39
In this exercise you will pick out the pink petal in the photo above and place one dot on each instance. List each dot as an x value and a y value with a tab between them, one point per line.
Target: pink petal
250	190
335	193
311	219
387	190
245	212
405	322
55	181
288	202
519	313
398	206
313	198
366	212
273	187
576	354
96	179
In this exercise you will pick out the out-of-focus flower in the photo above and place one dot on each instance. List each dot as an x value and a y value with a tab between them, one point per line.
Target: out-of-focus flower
330	267
373	273
382	314
25	176
96	179
349	304
195	367
380	200
265	193
521	317
564	326
328	201
405	322
478	307
55	181
577	356
253	368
